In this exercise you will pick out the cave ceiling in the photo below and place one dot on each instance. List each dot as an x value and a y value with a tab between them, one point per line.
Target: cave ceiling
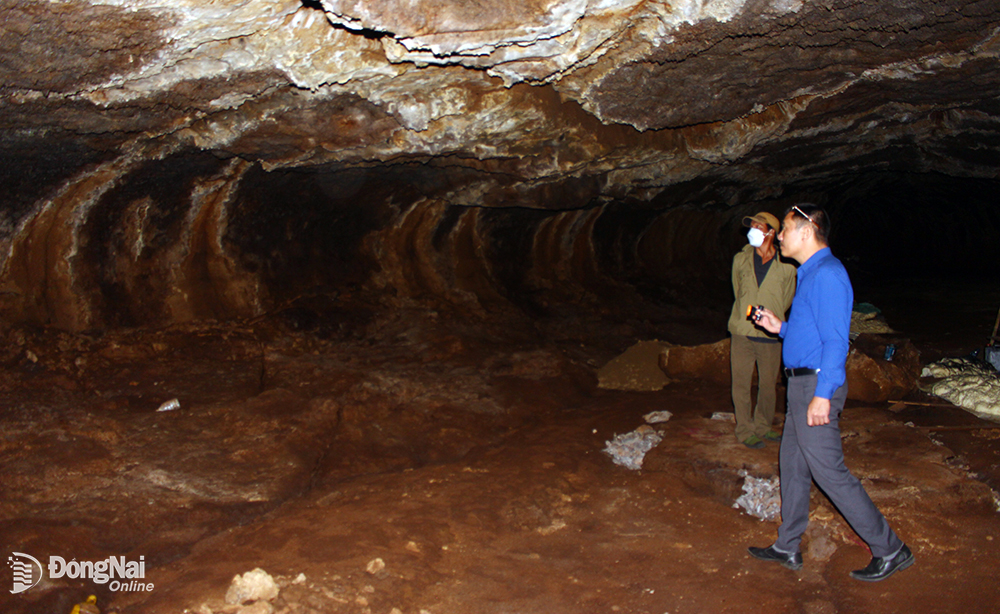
640	94
539	104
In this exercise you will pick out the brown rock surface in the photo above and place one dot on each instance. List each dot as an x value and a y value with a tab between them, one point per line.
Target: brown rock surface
378	249
709	362
170	161
638	368
872	379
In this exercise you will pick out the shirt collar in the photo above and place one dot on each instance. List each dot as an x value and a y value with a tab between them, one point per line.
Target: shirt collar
814	261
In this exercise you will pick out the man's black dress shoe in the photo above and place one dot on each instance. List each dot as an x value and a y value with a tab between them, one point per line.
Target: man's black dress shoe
791	560
882	568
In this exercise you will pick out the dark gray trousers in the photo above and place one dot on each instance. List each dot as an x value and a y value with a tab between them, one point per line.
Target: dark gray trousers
815	453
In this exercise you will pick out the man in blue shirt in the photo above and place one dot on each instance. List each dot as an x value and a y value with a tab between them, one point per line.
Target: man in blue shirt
815	355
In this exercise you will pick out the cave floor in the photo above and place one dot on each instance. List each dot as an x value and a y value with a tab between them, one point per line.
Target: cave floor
445	473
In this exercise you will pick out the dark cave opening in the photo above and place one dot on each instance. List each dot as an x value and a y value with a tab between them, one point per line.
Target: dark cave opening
237	241
334	231
919	224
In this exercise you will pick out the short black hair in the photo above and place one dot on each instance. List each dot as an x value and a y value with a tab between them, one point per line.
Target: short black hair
808	212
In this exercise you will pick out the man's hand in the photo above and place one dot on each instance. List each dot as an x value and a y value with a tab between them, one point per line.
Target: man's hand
818	412
768	321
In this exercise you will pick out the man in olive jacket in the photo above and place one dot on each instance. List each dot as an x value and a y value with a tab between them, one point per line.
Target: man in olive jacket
759	278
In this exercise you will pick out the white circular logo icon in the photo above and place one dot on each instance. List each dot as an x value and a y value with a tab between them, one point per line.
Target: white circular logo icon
27	571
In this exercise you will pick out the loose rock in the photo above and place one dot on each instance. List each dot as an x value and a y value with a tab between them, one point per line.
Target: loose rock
629	449
761	497
256	585
638	368
709	361
656	417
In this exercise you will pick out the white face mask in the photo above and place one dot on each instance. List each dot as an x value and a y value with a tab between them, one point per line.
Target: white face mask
756	237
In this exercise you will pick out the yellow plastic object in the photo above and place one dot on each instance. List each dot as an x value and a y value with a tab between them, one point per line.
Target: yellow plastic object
86	607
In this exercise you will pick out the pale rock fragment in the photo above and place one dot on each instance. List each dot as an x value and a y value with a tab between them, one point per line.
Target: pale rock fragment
255	585
629	449
761	496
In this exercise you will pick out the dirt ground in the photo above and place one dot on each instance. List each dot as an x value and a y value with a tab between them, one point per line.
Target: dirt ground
442	472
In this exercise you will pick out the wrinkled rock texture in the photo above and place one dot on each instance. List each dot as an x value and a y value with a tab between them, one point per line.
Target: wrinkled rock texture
171	160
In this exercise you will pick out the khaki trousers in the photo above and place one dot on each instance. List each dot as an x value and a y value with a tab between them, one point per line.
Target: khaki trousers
743	355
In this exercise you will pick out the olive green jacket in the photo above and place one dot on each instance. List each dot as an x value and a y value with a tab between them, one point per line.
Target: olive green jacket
775	293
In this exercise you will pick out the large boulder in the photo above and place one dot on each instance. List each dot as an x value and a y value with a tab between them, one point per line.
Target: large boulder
635	369
870	378
873	379
708	361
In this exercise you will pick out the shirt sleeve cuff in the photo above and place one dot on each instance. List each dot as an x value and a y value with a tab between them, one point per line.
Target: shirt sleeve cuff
824	390
784	327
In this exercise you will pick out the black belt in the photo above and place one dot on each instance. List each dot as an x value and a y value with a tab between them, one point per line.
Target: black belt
800	371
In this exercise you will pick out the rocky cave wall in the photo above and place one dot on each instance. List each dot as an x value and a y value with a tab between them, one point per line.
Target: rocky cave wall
166	161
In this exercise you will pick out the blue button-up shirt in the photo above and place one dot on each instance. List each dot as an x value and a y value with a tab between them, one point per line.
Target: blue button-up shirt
816	333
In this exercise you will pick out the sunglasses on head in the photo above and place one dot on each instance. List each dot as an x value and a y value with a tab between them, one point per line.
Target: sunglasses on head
803	214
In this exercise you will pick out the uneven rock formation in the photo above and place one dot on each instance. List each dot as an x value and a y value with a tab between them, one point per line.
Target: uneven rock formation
169	160
378	249
870	378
